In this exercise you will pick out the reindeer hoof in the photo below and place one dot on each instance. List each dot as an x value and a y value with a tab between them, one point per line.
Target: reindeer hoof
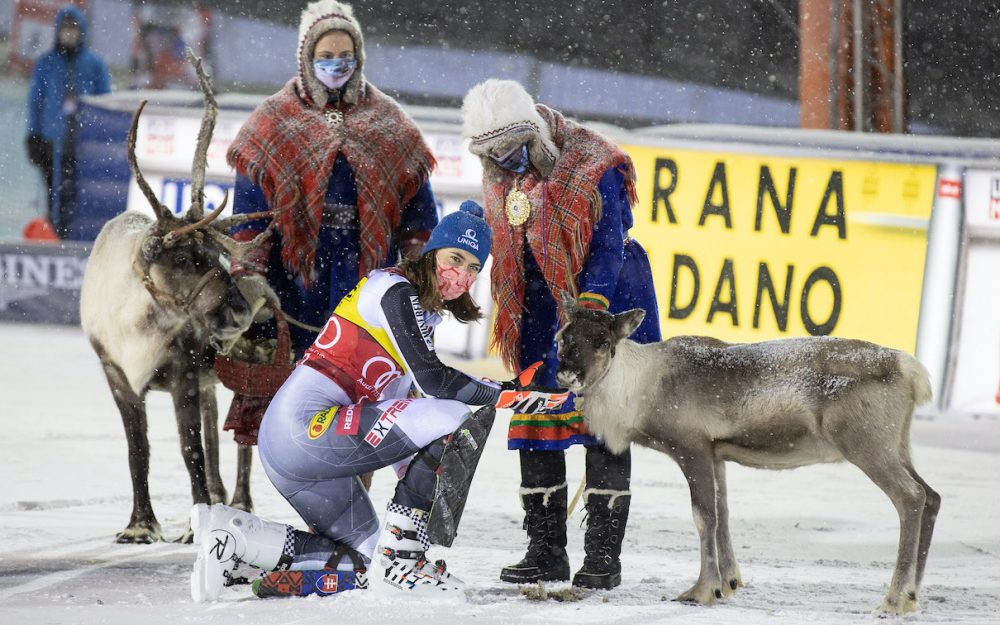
144	534
700	594
729	588
900	605
244	505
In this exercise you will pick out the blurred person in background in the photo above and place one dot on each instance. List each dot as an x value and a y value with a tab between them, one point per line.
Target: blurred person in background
61	76
559	203
344	171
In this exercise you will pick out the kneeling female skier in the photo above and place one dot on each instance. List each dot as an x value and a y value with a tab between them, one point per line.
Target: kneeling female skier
345	411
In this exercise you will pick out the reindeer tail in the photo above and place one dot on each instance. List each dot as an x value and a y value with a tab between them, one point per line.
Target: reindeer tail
919	379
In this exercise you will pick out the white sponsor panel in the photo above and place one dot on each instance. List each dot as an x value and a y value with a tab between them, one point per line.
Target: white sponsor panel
975	350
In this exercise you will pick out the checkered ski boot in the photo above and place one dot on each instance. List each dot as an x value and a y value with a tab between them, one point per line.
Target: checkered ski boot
402	554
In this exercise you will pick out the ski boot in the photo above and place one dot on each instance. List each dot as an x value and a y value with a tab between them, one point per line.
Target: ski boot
402	556
226	536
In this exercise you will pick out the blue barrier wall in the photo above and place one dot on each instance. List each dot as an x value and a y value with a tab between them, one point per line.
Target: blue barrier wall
41	283
102	170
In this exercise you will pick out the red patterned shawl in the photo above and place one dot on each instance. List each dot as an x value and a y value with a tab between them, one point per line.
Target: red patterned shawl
288	150
564	210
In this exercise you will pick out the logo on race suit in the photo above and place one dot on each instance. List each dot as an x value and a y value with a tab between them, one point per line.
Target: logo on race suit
386	420
421	315
330	335
376	374
350	419
469	238
328	583
320	423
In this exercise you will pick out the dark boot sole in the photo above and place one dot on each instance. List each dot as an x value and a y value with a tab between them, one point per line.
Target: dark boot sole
597	582
514	576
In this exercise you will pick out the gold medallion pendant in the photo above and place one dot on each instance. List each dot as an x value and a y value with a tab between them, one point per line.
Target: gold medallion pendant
517	206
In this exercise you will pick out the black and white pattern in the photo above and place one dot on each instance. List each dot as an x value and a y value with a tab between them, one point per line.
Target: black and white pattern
289	548
420	520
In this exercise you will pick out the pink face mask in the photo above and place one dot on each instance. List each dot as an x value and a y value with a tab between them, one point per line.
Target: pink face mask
452	283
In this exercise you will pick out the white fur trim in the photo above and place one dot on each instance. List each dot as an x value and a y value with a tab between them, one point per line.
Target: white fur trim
614	494
495	109
545	491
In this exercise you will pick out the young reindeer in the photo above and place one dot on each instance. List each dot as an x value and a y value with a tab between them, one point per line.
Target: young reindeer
773	405
156	303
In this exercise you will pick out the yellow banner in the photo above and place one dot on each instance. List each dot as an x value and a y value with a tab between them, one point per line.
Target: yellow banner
749	247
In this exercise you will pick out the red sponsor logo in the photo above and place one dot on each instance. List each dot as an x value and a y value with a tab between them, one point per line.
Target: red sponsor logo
376	374
386	420
950	188
349	420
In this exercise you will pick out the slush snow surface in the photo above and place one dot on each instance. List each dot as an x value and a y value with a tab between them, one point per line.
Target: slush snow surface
815	545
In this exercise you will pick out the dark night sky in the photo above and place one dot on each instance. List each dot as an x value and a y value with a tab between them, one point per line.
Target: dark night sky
950	45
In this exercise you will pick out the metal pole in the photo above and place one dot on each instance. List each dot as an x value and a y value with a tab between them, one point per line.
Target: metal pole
897	67
834	55
859	82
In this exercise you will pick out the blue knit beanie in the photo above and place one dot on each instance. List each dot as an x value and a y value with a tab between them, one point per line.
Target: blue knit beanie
465	229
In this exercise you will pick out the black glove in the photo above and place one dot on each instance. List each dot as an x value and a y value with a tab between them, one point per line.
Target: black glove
524	397
39	151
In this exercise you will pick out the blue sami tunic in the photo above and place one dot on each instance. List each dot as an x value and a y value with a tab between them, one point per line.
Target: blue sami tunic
616	272
336	252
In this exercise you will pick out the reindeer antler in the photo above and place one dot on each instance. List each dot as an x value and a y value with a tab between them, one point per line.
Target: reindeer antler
162	212
173	235
236	248
200	163
235	220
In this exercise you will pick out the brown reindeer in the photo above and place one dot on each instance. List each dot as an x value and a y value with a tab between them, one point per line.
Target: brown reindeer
157	302
772	405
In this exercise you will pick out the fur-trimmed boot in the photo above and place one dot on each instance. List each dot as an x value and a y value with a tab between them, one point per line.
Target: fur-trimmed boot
226	536
607	515
402	555
545	522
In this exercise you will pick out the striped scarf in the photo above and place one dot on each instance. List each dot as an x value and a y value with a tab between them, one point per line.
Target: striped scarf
288	149
565	207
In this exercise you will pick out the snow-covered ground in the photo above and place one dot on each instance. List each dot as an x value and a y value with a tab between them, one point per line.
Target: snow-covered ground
816	545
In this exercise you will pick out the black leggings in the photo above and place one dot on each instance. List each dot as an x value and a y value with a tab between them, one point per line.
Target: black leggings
605	470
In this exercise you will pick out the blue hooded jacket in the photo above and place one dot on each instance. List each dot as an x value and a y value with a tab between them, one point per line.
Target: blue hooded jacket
57	75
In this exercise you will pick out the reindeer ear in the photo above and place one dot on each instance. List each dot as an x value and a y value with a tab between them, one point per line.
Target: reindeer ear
625	323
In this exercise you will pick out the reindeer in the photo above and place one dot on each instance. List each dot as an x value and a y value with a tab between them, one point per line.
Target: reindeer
773	405
157	302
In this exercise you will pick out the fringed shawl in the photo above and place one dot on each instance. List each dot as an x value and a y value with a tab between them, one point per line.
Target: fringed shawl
565	207
288	149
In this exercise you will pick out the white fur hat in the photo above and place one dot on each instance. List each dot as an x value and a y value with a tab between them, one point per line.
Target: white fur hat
319	18
498	115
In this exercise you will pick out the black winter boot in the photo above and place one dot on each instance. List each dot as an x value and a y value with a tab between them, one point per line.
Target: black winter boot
607	515
545	522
